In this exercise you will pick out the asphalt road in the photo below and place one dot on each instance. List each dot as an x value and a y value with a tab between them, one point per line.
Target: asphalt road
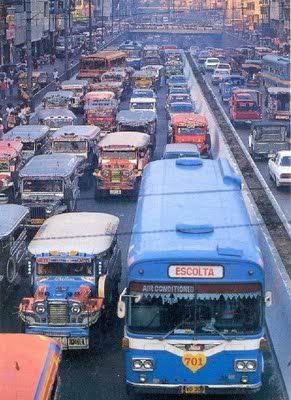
281	194
99	373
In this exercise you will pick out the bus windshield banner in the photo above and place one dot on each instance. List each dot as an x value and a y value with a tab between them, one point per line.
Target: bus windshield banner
196	271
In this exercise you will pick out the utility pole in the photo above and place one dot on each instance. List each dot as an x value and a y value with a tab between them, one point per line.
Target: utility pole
29	51
112	17
102	20
66	20
90	27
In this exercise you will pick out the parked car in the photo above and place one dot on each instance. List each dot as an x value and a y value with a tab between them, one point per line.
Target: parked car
280	168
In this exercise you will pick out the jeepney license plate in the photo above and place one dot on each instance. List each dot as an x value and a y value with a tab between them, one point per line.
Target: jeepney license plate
63	340
115	191
77	342
37	221
193	389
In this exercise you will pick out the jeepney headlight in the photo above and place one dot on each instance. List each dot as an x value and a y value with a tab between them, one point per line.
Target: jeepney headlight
144	364
245	365
126	173
75	308
105	173
40	308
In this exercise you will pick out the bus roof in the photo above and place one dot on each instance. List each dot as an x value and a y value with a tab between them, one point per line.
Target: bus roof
109	55
198	201
82	232
28	367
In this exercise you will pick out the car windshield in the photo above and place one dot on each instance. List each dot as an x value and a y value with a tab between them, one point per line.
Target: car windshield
4	166
69	147
286	161
195	309
142	106
180	107
119	155
83	268
42	186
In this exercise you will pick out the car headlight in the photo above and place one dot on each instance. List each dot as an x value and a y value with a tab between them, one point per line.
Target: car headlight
144	364
245	365
75	308
40	308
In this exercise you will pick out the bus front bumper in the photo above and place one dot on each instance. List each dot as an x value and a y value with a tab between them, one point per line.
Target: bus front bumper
146	388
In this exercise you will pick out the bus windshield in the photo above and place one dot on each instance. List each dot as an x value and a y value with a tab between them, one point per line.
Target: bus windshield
195	309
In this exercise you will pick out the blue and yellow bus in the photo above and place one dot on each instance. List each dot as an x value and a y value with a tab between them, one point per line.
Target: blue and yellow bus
275	71
194	301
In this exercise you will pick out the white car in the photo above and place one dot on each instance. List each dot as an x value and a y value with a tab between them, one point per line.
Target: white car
211	63
218	76
224	67
280	168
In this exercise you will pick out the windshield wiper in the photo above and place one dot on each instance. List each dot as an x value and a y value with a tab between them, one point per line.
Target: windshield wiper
209	328
173	329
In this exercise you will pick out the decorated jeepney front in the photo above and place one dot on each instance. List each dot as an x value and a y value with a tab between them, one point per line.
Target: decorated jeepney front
278	103
55	118
59	99
74	274
10	164
49	186
101	113
122	158
78	89
191	128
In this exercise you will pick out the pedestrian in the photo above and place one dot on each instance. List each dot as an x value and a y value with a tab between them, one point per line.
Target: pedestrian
9	108
3	88
56	75
10	84
11	120
35	63
1	128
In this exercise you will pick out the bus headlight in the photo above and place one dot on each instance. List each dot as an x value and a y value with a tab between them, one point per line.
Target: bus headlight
245	365
75	308
144	364
39	308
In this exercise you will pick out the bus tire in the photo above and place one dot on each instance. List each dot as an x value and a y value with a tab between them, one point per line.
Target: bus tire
11	271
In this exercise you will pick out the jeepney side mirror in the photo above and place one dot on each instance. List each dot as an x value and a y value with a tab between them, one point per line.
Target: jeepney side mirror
268	298
121	308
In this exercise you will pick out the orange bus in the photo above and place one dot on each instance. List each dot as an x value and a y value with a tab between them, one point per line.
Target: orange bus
94	65
29	367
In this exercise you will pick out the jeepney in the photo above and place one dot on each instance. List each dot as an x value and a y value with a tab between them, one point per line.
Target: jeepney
144	80
34	139
245	106
278	103
157	71
228	83
75	264
267	138
81	141
49	186
190	128
144	121
251	72
78	87
122	158
108	86
13	249
143	103
101	109
58	99
151	55
173	67
55	118
10	163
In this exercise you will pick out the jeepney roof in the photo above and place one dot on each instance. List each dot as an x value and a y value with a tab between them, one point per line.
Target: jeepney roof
136	117
184	119
28	366
83	232
27	132
251	66
10	148
103	95
127	139
50	165
60	93
108	54
278	90
11	215
105	85
144	74
55	113
143	100
77	131
75	83
152	67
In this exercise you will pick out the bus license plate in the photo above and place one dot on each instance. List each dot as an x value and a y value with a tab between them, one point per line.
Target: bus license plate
115	191
193	389
77	342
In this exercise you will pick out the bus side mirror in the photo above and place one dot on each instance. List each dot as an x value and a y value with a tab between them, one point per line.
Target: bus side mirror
268	298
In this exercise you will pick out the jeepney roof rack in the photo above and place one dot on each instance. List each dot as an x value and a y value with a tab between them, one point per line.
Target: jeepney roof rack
11	215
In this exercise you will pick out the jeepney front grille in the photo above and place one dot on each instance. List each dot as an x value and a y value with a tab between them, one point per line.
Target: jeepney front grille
115	176
57	313
37	213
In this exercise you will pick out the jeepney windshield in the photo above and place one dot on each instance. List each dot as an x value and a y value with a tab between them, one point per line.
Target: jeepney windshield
195	309
42	186
65	146
270	134
142	106
4	166
79	268
133	128
28	146
56	102
92	64
57	122
119	154
198	130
